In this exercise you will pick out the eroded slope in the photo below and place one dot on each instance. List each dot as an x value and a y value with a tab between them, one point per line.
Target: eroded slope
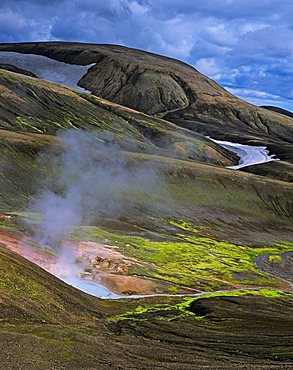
166	87
37	106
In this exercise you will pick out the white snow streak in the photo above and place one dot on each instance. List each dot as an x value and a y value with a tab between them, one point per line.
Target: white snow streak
47	68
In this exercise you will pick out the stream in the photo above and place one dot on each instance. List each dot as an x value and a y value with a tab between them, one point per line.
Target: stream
249	155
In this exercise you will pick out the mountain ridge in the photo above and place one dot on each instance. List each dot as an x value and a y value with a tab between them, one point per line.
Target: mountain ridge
170	89
278	110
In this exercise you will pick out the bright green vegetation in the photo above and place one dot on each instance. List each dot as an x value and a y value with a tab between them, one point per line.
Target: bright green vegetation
275	259
8	225
27	122
170	311
192	258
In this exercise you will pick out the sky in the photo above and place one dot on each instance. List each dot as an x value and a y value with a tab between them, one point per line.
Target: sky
245	45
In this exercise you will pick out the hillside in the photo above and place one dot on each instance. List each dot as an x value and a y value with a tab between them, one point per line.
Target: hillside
34	111
56	326
171	89
32	105
285	112
113	194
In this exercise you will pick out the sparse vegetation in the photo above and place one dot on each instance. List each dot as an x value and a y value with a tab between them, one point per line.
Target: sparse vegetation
182	308
200	229
195	259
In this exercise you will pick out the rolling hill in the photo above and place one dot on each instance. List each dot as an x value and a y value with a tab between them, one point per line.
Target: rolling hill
167	88
186	223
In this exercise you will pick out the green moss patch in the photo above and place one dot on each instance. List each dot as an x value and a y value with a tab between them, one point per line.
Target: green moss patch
171	311
7	225
193	258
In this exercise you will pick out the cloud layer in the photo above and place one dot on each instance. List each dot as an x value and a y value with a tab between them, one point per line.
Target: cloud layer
245	45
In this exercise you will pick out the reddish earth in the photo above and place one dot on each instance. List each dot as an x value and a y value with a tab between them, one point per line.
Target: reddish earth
110	268
20	244
92	261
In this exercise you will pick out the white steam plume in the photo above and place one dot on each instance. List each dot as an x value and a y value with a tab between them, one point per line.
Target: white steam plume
87	179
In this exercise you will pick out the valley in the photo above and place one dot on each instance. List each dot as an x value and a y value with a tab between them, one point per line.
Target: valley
128	237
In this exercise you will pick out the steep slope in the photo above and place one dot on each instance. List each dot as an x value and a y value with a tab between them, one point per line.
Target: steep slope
47	324
33	105
162	86
34	110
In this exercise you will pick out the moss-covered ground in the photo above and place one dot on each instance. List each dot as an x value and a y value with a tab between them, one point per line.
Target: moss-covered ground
182	308
192	257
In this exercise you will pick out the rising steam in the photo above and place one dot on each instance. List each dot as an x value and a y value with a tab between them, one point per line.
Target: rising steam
87	178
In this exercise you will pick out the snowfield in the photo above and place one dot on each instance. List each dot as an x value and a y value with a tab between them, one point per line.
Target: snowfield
249	155
47	68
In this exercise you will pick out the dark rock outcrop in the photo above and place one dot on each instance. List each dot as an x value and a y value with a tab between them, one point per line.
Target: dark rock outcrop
278	170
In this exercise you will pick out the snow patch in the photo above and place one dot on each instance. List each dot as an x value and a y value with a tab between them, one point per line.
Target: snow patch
47	68
249	155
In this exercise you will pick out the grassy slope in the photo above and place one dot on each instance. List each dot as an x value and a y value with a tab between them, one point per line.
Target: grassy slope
199	193
167	87
37	106
237	205
56	326
53	325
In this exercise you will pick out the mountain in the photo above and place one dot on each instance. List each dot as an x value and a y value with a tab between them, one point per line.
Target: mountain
168	88
37	106
34	111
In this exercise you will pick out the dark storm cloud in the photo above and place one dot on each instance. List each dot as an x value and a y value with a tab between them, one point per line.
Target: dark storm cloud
246	45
